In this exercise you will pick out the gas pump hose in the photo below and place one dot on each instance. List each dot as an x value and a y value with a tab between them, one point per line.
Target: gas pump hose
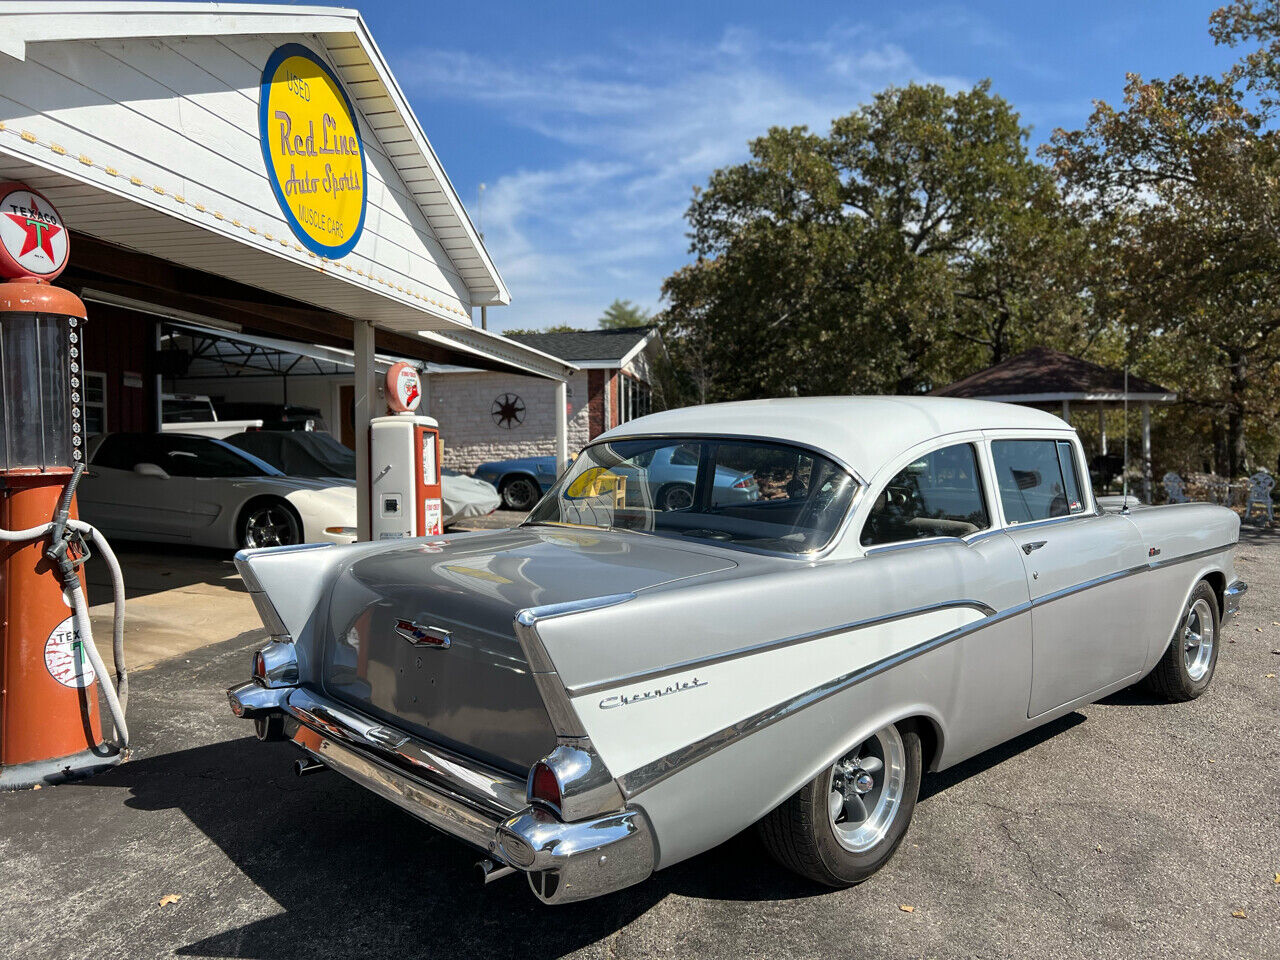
62	532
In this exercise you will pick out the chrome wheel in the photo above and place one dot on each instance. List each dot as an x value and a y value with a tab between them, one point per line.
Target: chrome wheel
866	789
1197	639
270	525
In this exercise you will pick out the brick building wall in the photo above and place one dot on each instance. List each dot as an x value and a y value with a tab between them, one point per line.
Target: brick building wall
463	404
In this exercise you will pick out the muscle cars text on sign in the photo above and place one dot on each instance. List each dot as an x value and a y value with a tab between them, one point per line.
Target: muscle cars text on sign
846	593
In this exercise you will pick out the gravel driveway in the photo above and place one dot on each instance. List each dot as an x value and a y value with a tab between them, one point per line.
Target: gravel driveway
1127	829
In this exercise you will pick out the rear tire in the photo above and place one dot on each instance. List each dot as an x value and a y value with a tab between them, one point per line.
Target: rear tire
846	822
519	493
1187	666
268	522
676	496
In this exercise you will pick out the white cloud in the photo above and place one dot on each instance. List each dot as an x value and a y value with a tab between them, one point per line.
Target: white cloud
644	125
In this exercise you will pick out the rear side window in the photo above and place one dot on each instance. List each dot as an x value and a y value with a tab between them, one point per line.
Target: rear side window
1037	479
939	495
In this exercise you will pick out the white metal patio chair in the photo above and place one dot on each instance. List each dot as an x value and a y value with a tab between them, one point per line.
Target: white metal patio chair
1260	486
1174	490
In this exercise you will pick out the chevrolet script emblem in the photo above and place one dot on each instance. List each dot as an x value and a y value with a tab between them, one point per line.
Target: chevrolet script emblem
421	636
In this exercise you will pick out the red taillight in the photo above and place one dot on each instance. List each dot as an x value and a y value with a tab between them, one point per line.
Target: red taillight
745	483
259	667
544	786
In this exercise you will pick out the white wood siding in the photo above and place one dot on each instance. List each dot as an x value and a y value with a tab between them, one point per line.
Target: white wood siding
181	115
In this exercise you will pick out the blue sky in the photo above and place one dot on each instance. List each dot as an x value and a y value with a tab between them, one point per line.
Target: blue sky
590	123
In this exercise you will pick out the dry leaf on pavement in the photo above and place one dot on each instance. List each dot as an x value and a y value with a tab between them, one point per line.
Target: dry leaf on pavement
169	898
906	908
1238	914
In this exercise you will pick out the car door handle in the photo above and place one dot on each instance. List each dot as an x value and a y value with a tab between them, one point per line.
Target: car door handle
1033	545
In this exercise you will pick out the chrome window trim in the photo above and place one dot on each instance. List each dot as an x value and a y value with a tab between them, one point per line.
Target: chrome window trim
653	773
837	536
1039	437
993	521
643	676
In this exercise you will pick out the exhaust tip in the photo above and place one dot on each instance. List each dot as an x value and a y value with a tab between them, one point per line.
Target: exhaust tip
307	766
491	870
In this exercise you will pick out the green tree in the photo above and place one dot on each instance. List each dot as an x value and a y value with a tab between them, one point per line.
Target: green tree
915	242
622	314
1184	176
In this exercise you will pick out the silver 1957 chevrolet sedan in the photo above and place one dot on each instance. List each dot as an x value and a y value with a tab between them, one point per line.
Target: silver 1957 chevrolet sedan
619	684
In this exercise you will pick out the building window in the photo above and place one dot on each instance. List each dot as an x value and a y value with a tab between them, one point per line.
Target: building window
95	403
636	398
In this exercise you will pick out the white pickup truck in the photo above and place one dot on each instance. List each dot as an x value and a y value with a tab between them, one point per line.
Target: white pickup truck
193	413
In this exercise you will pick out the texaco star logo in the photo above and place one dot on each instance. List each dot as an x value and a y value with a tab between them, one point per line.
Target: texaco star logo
33	238
508	411
65	657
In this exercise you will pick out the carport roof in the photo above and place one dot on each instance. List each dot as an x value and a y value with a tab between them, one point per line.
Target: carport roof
1043	375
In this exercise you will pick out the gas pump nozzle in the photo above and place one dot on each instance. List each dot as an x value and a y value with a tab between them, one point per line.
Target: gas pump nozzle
67	547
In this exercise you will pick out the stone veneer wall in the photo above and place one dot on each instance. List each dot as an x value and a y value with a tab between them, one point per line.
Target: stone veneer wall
462	402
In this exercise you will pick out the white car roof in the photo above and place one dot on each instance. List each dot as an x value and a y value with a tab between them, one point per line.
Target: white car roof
864	432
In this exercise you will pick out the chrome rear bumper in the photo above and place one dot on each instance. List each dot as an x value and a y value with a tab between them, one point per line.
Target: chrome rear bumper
463	798
1231	599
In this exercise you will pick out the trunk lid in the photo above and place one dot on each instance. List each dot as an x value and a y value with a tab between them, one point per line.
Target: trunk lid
476	695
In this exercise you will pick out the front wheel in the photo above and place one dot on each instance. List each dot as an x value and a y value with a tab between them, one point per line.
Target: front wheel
1187	666
846	822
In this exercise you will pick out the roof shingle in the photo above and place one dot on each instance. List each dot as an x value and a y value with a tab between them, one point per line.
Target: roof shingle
1041	370
576	345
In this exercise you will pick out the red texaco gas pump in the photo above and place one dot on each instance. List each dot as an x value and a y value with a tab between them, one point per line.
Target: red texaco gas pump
50	671
405	459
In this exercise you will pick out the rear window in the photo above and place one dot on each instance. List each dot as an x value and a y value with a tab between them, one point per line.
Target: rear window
757	494
1037	479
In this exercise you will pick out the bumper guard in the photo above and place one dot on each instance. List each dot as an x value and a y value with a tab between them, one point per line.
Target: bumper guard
1231	599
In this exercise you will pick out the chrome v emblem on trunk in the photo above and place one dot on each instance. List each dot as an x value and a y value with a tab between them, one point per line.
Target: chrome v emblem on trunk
421	636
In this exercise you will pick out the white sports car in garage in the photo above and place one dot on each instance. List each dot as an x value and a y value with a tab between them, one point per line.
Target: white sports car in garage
187	489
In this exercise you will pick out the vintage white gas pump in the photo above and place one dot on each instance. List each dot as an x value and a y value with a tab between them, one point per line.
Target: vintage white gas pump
405	463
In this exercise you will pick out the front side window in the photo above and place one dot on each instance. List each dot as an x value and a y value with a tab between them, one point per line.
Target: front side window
939	495
767	496
1037	479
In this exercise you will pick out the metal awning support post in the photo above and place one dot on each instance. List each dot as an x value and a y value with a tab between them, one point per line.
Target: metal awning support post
1102	429
366	395
562	426
1146	452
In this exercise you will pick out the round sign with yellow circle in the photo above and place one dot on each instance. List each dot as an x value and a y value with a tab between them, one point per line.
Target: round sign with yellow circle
313	152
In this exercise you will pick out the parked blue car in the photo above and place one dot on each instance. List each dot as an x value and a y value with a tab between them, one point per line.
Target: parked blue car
521	482
669	475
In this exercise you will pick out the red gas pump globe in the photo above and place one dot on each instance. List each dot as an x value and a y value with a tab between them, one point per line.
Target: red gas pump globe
404	388
34	242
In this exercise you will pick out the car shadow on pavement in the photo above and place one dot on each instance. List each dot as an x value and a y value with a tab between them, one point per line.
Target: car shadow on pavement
352	874
935	783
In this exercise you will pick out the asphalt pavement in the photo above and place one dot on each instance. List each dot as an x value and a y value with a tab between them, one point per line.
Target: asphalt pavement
1127	829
